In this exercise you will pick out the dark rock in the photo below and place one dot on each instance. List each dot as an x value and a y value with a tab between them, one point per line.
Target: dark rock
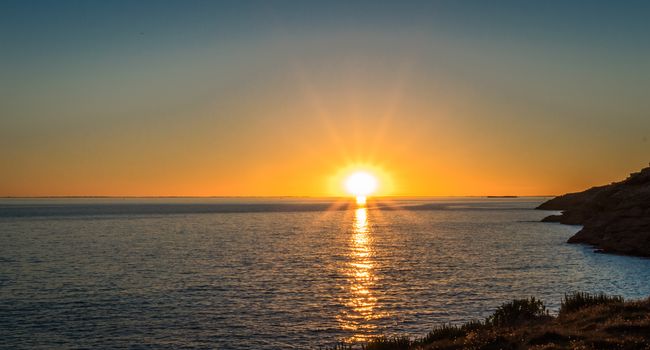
552	218
615	217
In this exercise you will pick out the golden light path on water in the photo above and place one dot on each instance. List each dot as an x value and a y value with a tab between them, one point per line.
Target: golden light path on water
361	305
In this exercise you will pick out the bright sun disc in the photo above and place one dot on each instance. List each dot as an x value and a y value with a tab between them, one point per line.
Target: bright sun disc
361	184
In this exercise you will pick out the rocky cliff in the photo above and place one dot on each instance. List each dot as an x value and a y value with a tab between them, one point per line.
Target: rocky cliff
615	217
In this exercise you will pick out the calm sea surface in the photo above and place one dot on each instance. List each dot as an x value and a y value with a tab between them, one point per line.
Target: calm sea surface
278	273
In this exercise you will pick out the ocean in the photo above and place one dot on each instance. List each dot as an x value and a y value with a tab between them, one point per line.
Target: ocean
270	273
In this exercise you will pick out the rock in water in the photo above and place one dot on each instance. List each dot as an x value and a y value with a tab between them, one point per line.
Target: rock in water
615	217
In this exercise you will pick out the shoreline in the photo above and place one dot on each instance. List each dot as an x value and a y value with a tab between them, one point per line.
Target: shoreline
615	218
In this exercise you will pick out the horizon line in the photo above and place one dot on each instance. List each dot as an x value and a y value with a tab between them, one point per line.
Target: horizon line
276	196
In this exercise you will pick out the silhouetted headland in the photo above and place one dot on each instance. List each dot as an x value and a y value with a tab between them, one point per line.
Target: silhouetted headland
615	217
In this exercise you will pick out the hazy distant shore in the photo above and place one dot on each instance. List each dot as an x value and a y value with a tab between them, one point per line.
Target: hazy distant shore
97	206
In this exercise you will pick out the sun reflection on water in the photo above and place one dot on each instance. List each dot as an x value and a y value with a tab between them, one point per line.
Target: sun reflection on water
361	303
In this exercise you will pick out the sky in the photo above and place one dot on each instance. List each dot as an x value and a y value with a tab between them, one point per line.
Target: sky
286	98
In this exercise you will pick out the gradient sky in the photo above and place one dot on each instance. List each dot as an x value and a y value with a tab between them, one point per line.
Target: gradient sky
286	97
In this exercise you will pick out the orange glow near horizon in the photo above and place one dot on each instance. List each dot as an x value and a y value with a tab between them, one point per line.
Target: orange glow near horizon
308	145
283	107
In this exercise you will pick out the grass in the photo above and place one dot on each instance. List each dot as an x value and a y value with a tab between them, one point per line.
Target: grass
585	321
395	343
576	301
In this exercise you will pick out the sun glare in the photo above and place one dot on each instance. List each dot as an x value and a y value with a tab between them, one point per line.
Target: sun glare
361	184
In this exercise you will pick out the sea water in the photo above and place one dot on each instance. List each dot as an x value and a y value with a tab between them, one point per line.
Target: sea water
279	273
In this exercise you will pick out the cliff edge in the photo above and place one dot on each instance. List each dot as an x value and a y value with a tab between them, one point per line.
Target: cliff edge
615	217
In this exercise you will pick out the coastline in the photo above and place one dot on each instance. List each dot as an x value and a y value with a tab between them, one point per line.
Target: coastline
615	217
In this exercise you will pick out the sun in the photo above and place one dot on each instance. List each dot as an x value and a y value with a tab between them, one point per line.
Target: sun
361	184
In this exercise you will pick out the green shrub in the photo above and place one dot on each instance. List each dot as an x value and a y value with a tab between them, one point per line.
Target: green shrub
516	311
473	325
578	300
384	343
445	331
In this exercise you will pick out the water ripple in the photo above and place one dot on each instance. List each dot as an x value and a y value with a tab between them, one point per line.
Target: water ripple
283	278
